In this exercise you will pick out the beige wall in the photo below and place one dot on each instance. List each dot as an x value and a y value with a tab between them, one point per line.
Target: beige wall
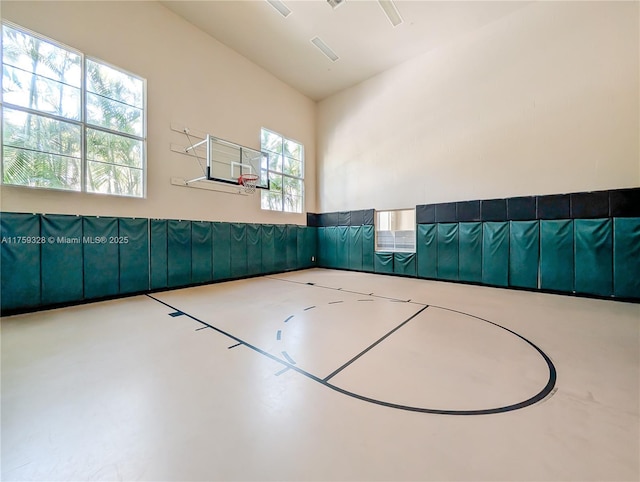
191	78
543	101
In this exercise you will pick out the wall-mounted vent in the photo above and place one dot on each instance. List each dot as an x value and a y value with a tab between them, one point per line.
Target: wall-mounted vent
324	48
335	3
390	10
280	7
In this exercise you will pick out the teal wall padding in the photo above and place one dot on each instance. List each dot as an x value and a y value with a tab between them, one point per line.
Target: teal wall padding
322	247
306	246
355	248
292	246
201	252
254	249
342	247
626	257
268	248
383	262
427	251
495	253
524	253
20	262
594	256
221	250
134	255
100	255
280	237
368	248
556	255
158	254
404	263
178	252
331	240
64	256
470	249
239	267
448	251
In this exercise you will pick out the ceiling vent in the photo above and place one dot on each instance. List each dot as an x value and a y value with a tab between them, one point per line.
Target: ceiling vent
391	12
280	7
335	3
324	48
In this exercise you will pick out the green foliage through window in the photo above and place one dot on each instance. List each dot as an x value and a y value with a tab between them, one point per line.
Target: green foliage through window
57	132
285	172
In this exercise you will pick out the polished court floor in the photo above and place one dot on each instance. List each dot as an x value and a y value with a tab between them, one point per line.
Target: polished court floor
324	375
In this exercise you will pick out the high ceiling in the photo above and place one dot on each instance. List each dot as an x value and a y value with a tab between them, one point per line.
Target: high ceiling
358	31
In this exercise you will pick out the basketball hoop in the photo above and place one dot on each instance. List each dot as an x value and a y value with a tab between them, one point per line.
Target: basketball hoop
248	182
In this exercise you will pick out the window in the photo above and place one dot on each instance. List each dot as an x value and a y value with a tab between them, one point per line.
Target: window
285	171
69	122
396	230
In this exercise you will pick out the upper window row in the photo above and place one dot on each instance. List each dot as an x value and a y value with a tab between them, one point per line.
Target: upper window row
69	122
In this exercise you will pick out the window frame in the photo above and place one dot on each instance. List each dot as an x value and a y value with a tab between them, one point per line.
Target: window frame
81	123
282	173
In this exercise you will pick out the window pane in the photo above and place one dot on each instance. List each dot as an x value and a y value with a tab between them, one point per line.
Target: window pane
293	204
275	181
39	169
34	55
292	187
271	200
39	93
114	84
293	149
113	179
114	149
114	115
292	167
39	133
275	162
395	230
271	142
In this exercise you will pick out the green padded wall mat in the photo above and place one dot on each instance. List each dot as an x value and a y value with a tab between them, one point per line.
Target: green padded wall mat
239	266
448	251
63	255
20	261
331	240
201	252
470	249
342	247
383	262
101	266
306	246
292	247
556	255
254	249
178	252
495	253
322	246
594	256
524	253
158	253
368	248
268	248
280	237
355	248
221	250
134	255
626	257
404	263
427	251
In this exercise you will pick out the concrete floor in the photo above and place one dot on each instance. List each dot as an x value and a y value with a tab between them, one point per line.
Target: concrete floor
324	375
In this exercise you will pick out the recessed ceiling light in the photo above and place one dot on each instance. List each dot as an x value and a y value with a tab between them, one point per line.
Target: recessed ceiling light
335	3
280	7
324	48
391	12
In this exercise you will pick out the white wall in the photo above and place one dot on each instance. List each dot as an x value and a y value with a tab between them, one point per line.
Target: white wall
190	78
543	101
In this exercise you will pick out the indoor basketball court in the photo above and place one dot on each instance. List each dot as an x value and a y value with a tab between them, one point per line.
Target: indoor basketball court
329	240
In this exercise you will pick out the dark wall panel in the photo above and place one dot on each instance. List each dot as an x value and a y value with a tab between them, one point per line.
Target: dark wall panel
554	206
521	208
448	251
280	237
239	265
524	253
63	256
493	210
495	253
101	266
221	233
134	255
368	216
201	252
427	251
158	254
292	247
357	218
426	214
446	213
590	205
594	256
20	262
468	211
269	248
179	252
344	218
254	249
470	247
624	203
556	255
